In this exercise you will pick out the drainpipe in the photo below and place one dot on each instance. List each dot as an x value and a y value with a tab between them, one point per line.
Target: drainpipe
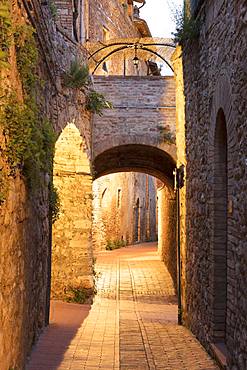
178	184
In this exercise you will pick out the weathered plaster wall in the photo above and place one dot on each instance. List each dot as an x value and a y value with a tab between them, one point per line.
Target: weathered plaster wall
215	77
116	215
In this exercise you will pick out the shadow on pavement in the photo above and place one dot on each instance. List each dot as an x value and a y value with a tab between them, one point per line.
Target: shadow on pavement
65	320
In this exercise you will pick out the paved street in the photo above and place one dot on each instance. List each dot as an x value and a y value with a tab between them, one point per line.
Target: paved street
131	324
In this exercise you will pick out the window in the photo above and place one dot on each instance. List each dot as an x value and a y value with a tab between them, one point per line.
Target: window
119	196
102	197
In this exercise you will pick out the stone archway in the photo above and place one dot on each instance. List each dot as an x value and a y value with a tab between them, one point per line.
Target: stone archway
135	157
158	163
71	251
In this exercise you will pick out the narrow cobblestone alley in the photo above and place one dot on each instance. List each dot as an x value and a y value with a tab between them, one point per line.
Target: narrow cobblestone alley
131	324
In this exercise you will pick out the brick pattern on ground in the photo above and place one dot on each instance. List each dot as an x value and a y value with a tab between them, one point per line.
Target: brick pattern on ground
131	324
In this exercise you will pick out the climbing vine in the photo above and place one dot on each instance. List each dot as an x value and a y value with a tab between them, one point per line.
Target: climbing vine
54	202
5	34
29	137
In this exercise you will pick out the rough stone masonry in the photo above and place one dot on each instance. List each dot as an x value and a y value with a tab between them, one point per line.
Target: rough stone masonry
215	76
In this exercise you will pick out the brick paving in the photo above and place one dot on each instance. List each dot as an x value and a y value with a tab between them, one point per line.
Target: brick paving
131	324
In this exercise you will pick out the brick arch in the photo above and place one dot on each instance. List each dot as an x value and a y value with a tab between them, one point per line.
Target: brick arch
222	145
129	139
135	157
222	99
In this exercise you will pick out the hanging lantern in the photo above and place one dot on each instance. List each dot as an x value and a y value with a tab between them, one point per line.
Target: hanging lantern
136	59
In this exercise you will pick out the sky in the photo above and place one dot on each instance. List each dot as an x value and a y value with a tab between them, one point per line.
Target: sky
158	14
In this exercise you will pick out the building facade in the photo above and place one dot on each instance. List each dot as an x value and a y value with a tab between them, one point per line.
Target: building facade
124	209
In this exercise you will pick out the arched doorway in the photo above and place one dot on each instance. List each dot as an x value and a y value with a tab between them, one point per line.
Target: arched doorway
220	230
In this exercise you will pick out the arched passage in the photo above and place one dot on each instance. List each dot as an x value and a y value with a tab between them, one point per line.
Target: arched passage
71	250
135	157
155	162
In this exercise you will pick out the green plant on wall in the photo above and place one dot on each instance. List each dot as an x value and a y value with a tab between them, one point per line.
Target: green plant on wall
5	34
29	136
96	102
53	9
166	135
54	203
187	27
77	76
3	185
79	294
115	244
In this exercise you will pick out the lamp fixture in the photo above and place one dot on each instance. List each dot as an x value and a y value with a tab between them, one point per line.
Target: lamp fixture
136	59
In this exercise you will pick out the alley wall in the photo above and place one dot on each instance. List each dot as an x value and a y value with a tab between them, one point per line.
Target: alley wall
25	218
124	209
214	70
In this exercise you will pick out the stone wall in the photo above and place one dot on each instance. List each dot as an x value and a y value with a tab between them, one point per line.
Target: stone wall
24	217
72	249
97	19
24	247
167	229
124	208
181	160
93	21
143	113
66	108
110	20
215	91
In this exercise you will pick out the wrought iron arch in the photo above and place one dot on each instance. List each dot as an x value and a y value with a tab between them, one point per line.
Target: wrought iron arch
137	45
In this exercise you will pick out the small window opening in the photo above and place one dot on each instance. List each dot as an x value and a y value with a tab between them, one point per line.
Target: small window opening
119	196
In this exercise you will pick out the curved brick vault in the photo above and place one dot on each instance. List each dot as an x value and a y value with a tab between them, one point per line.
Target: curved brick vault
135	157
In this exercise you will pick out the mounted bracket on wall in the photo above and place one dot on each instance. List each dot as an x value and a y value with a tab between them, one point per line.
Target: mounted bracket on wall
179	174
